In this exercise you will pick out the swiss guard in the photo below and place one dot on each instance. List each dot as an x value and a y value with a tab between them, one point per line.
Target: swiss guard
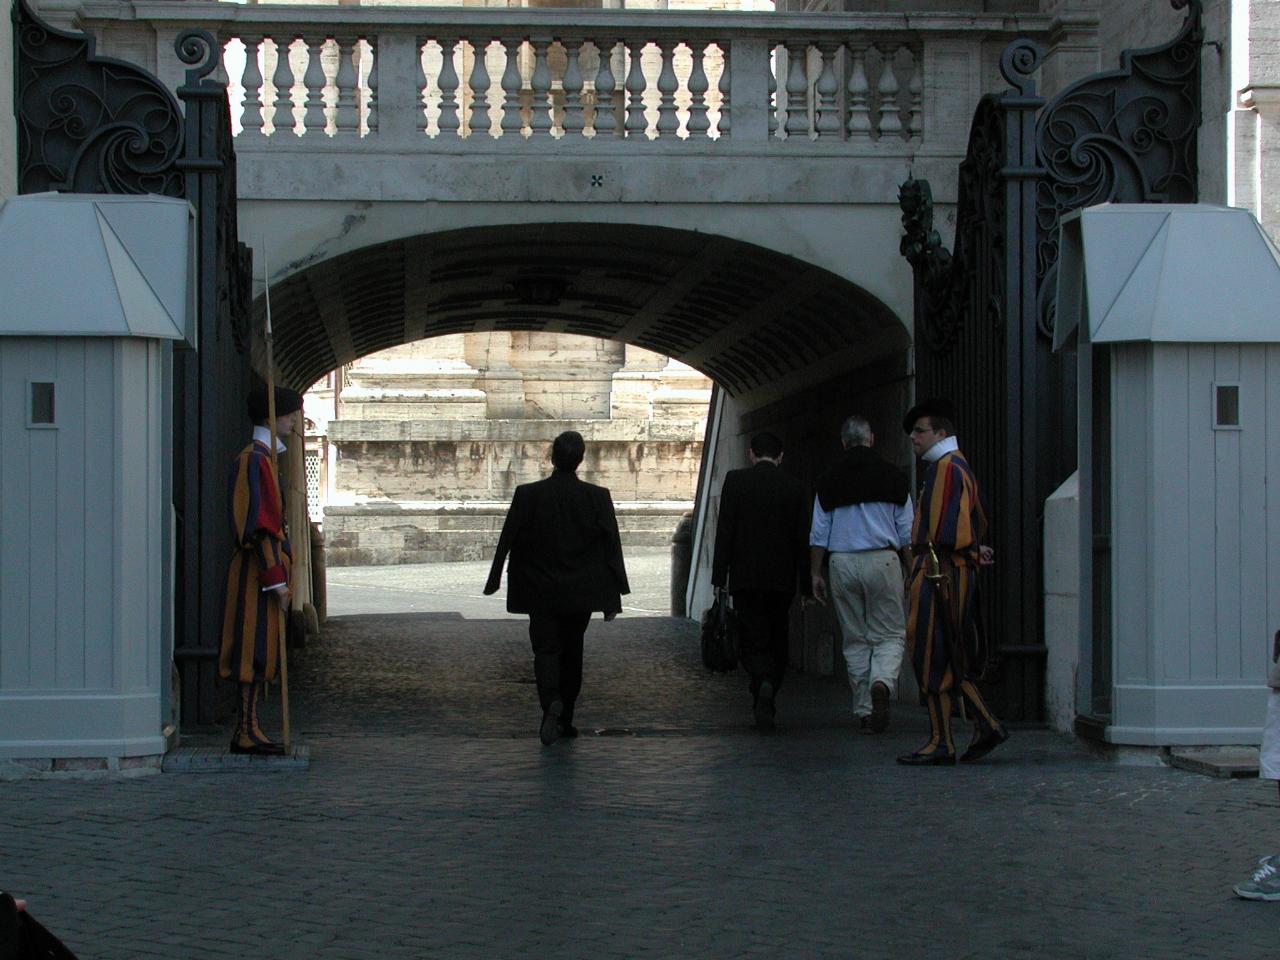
944	634
258	581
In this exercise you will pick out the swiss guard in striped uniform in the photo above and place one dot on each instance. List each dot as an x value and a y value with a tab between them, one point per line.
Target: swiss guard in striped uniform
944	639
257	595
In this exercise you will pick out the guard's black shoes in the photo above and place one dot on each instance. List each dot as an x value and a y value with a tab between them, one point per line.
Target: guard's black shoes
568	730
256	749
550	728
985	744
930	758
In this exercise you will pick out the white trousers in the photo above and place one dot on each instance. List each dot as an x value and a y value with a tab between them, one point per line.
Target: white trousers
866	589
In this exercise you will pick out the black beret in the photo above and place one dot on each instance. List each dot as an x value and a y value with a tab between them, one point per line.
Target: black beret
287	402
933	407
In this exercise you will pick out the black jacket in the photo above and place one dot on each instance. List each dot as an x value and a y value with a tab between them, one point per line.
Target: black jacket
566	554
762	535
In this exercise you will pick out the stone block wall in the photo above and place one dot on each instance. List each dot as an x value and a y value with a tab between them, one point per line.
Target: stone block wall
424	444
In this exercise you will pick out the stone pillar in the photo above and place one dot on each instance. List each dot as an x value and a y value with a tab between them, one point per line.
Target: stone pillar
565	379
634	384
503	385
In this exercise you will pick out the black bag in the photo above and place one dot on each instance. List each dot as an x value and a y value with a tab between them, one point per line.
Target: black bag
720	630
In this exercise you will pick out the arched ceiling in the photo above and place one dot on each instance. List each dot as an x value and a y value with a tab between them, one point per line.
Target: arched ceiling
746	316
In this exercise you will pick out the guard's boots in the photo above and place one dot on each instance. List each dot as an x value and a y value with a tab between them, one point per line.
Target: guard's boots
249	737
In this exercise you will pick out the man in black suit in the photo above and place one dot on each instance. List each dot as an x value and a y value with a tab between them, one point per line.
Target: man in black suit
566	563
762	543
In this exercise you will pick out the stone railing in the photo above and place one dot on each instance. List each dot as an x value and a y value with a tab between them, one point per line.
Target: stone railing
456	79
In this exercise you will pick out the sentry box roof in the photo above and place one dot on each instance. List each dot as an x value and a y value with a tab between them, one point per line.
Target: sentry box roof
1183	273
77	265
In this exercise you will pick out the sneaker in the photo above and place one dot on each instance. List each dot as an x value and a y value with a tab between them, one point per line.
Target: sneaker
1265	882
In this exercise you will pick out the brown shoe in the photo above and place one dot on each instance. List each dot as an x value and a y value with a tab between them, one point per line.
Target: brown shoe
879	707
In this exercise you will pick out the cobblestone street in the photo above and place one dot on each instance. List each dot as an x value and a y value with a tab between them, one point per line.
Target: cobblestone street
432	823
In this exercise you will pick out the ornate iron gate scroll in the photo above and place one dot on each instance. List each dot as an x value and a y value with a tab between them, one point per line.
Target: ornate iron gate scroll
984	315
92	124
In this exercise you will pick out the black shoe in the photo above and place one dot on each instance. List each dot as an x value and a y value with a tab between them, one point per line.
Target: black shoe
255	749
764	708
984	744
864	724
550	728
936	757
567	730
879	707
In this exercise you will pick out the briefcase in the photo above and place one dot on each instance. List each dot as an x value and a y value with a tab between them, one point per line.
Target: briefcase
720	632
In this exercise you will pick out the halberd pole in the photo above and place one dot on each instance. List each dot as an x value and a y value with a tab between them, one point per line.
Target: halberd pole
275	472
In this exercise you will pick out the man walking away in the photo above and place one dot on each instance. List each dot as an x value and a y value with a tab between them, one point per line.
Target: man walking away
947	648
862	521
760	555
566	563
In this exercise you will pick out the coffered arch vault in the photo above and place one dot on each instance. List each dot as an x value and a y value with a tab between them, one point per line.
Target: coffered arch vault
760	323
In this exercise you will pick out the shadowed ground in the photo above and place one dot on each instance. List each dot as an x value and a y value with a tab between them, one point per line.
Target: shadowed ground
433	824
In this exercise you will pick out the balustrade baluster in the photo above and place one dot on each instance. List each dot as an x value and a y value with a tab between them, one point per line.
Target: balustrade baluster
512	119
915	123
448	83
540	119
251	119
797	88
637	122
603	121
859	90
829	123
371	91
282	117
572	84
699	122
668	122
723	121
314	80
776	108
890	119
479	83
346	118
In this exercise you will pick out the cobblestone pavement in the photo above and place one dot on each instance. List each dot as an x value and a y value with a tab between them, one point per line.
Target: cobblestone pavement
433	824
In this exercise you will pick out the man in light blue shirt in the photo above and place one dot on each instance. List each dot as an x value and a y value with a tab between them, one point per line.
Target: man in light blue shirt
862	521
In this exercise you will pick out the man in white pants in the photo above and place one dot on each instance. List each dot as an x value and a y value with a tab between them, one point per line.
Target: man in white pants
862	521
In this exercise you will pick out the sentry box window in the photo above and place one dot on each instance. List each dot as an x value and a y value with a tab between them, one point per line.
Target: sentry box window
1226	406
41	409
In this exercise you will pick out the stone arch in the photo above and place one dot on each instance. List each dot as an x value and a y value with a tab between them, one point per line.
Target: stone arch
760	323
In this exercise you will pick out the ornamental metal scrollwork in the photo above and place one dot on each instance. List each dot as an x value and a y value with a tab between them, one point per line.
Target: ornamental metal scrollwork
90	124
1126	135
955	288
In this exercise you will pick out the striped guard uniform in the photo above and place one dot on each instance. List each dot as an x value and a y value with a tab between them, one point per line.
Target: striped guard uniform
951	517
253	622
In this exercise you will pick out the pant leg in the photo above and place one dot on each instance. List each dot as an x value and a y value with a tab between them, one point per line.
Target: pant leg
848	597
753	639
544	635
885	616
778	623
572	627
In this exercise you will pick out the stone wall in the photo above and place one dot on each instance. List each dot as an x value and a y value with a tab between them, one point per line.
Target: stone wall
424	444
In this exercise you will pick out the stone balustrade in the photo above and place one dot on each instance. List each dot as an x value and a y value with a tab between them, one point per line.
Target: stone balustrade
370	78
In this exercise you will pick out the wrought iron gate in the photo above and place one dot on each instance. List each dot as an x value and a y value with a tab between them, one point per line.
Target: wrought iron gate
91	124
984	313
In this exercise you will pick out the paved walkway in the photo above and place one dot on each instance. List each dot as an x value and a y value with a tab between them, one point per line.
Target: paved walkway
433	824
